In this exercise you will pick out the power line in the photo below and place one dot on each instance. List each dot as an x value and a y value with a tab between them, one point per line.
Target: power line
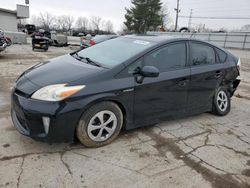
210	2
218	18
224	9
223	12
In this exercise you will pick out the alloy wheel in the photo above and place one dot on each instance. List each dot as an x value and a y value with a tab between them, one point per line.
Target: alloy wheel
102	126
222	101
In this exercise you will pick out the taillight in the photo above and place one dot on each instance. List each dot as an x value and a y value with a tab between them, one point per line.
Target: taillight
238	65
91	42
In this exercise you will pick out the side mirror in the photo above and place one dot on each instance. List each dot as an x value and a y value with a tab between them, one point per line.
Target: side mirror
149	71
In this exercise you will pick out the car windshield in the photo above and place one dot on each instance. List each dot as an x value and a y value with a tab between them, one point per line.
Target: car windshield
116	51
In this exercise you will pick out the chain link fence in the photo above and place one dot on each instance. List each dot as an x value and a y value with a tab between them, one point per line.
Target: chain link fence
225	40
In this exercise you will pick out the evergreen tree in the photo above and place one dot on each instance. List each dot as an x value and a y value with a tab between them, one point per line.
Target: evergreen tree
144	15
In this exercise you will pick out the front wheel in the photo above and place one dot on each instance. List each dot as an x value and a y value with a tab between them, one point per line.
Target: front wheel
221	103
100	124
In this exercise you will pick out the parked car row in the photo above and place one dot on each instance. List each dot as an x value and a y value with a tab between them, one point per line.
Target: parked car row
43	39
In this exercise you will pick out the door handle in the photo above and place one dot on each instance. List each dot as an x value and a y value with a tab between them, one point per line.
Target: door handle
218	74
183	82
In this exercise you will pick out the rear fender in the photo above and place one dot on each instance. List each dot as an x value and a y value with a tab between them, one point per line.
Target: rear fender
234	86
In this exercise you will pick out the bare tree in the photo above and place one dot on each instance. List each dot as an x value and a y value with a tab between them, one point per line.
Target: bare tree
200	27
35	20
69	21
96	22
245	27
60	23
82	23
109	27
123	28
46	20
65	22
165	19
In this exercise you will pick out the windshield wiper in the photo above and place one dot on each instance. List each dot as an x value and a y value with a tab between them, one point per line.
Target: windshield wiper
78	57
90	61
87	60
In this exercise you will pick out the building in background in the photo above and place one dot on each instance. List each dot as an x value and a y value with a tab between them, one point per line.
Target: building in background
9	18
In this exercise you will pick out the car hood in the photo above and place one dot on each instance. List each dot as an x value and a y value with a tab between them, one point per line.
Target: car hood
60	70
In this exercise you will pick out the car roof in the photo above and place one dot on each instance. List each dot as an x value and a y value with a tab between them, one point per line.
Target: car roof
151	38
163	38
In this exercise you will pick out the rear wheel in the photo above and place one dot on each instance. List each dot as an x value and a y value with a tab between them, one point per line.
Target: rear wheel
221	103
100	124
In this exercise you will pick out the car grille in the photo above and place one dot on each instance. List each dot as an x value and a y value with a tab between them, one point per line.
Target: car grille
19	123
18	112
22	122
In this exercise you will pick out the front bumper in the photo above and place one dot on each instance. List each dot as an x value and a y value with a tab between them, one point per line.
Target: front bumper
27	116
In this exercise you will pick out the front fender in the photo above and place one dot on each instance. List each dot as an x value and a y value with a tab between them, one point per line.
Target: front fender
123	100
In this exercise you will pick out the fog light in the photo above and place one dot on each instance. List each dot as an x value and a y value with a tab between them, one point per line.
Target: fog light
46	122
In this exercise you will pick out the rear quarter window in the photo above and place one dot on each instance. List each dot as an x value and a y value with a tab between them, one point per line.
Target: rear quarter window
201	54
221	55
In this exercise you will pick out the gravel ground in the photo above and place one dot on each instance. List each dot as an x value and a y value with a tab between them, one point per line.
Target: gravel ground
199	151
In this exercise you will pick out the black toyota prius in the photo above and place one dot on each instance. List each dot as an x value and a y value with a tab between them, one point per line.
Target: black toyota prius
127	82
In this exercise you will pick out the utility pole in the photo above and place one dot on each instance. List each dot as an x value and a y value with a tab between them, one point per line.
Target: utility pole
190	19
178	10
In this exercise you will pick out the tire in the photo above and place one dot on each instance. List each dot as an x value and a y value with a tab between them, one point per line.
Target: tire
91	132
221	102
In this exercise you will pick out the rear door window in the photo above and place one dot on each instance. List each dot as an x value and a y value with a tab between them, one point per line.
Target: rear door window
201	54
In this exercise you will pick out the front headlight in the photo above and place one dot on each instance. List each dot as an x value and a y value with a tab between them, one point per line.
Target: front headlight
56	92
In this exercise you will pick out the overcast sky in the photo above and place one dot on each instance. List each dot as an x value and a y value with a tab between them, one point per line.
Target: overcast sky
114	10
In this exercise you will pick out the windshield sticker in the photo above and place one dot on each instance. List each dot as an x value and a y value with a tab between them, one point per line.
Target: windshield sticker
141	42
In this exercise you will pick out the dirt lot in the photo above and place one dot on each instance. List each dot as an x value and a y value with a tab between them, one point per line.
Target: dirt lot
200	151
